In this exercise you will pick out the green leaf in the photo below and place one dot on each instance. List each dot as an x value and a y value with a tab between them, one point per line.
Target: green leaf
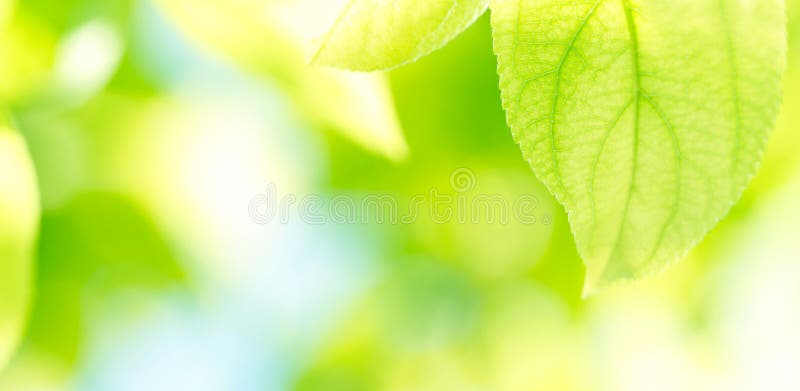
646	119
376	34
19	219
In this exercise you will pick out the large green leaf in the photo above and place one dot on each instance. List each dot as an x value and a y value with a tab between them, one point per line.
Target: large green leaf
377	34
646	119
19	218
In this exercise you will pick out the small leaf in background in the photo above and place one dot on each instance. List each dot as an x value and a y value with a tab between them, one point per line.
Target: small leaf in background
374	35
646	119
19	218
251	32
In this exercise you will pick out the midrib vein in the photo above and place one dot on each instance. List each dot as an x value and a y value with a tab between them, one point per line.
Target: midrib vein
634	37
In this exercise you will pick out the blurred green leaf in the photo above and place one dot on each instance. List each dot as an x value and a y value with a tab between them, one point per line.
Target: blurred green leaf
373	35
95	246
619	109
19	218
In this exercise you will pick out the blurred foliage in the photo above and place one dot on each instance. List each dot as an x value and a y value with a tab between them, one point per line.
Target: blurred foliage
149	273
96	247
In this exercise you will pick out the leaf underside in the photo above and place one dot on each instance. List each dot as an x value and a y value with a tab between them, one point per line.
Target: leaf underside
646	119
374	35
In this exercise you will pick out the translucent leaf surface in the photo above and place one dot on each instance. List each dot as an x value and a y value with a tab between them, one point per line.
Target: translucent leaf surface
646	119
377	34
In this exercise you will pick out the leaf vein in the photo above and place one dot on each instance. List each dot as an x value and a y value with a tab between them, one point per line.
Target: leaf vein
557	92
634	37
